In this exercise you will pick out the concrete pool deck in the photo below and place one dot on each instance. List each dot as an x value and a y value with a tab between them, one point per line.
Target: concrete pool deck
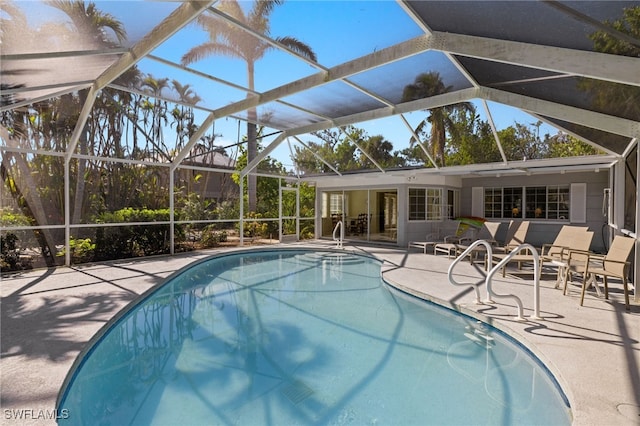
49	315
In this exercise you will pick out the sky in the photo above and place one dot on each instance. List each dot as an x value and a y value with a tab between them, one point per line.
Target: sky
329	32
338	31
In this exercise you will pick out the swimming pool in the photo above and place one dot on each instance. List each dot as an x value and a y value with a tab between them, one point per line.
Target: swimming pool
302	337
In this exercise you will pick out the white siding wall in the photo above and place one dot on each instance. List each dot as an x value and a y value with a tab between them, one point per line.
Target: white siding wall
545	231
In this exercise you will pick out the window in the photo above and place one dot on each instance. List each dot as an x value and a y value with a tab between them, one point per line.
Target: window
536	201
512	206
558	203
417	204
335	203
540	202
434	204
493	202
453	203
425	203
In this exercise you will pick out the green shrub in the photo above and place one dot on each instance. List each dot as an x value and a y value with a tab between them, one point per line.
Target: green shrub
82	250
11	258
211	237
133	241
9	218
254	228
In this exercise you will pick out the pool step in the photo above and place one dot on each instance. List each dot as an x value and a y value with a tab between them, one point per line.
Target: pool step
334	257
297	391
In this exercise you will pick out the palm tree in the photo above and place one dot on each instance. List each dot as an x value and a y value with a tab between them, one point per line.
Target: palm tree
89	23
154	111
229	40
183	116
88	26
15	34
440	119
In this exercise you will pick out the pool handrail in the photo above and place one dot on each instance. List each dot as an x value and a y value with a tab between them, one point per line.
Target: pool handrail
340	238
536	281
462	256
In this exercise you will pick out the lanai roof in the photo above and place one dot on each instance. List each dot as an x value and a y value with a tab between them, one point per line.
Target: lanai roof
533	56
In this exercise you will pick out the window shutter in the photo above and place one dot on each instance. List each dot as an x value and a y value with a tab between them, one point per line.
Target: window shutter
477	201
578	207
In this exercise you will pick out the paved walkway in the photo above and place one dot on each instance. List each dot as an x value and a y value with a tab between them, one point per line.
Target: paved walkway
594	350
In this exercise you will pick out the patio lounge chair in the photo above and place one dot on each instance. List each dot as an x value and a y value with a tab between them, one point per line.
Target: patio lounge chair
452	244
614	264
448	228
516	235
564	241
573	254
487	232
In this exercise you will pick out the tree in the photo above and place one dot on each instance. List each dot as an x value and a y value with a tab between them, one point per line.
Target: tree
155	116
427	85
565	145
15	35
88	25
340	151
269	188
629	24
621	99
183	117
474	143
229	40
520	142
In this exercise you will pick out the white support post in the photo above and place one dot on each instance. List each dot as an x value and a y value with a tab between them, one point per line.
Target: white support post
618	196
241	224
172	215
67	216
636	272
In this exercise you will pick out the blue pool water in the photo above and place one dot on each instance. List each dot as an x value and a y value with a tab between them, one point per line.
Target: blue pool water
299	337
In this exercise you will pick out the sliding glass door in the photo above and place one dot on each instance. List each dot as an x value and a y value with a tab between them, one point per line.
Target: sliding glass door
367	214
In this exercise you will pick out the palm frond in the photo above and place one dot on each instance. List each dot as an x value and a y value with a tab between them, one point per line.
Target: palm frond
232	8
298	47
258	17
204	50
90	21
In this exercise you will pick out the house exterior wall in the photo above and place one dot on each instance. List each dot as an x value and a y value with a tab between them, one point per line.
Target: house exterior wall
406	231
545	231
540	231
417	230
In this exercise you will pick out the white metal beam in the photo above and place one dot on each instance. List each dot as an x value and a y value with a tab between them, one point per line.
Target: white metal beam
601	66
384	112
339	72
596	120
180	17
